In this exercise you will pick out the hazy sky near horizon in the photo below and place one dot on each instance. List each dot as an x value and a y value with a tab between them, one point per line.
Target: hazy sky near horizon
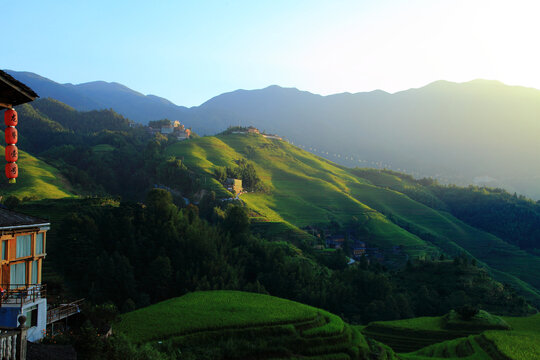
191	51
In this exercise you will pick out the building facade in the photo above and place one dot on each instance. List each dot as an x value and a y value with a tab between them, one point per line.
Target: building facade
23	249
234	185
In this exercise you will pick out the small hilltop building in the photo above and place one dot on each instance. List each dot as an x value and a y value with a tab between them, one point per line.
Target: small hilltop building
182	133
168	127
253	130
234	185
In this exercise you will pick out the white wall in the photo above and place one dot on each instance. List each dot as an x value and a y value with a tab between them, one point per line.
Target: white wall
35	333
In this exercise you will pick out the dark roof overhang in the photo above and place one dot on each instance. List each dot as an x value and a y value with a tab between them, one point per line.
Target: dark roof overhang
14	92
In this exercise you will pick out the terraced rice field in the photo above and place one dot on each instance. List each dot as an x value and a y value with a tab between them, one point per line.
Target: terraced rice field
427	338
233	324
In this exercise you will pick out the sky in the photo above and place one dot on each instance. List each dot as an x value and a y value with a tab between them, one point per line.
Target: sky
191	51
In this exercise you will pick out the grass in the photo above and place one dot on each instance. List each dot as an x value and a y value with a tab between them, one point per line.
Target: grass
308	190
510	264
304	189
480	322
208	311
523	342
414	334
37	180
464	341
462	348
103	148
233	324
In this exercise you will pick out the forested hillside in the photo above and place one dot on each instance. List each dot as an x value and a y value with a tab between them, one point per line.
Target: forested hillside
301	189
461	133
427	251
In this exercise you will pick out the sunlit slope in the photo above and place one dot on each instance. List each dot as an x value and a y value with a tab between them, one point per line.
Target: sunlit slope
304	189
451	234
36	180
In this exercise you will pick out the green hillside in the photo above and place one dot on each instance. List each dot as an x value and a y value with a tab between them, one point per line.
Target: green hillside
478	339
305	189
239	325
37	180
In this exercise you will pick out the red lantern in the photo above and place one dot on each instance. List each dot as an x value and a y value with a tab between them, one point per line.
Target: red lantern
12	171
10	117
12	153
11	135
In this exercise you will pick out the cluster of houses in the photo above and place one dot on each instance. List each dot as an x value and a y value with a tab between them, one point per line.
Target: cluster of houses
357	248
174	128
254	130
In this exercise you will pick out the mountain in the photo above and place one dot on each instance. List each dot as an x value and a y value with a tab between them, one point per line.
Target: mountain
300	189
479	132
103	95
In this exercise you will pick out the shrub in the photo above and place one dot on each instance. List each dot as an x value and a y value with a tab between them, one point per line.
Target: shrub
467	312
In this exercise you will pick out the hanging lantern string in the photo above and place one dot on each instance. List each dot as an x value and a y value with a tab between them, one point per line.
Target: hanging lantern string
11	153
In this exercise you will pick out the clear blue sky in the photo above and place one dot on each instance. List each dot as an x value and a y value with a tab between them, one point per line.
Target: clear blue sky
191	51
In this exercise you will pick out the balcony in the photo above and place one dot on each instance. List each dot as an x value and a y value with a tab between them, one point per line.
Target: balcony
21	294
63	311
13	343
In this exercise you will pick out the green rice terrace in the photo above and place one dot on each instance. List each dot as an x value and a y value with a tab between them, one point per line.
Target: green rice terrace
485	336
216	324
304	189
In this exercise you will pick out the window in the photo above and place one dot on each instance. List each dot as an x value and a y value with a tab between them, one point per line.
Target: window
31	316
4	249
24	246
17	275
35	270
40	249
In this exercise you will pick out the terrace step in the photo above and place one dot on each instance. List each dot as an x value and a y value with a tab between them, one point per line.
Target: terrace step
490	348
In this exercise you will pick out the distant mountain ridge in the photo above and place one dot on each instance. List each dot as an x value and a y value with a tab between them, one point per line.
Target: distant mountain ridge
456	132
97	95
481	131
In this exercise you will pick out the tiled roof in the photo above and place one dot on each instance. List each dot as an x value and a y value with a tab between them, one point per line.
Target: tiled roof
14	92
11	219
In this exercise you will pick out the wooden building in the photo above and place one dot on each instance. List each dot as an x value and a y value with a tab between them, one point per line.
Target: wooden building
335	241
23	249
234	185
359	249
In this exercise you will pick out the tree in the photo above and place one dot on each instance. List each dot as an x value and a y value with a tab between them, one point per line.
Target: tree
467	312
236	221
12	202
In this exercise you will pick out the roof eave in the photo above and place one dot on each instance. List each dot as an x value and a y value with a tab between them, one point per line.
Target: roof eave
14	86
24	226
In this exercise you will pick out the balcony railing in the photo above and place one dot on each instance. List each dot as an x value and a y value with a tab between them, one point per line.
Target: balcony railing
13	341
21	294
8	344
63	311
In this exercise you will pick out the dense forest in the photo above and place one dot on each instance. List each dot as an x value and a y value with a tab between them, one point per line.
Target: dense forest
99	152
133	255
